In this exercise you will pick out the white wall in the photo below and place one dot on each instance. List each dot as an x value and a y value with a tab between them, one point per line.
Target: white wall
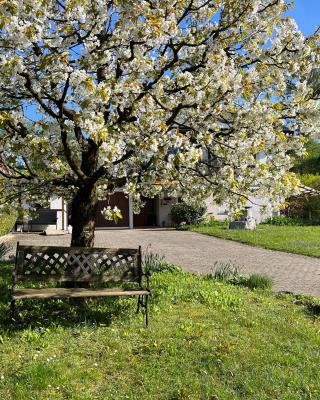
257	211
62	216
163	210
222	212
219	212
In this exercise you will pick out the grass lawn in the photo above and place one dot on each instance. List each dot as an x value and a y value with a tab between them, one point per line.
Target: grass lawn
206	340
294	239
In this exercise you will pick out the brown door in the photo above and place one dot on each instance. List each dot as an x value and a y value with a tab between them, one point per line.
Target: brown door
120	200
147	216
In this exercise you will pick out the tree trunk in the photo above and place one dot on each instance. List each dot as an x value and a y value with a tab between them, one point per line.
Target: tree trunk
83	216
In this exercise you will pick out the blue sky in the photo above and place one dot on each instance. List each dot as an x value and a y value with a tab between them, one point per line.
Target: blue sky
307	15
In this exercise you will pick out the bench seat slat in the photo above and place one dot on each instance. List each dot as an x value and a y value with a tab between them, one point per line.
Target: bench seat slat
46	293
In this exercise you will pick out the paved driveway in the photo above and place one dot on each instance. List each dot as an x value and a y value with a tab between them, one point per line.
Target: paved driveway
199	253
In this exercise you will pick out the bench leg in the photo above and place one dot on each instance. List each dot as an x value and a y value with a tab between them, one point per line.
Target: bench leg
139	304
12	309
147	312
143	302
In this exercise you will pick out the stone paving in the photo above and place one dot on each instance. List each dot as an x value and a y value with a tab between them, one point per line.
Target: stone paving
199	253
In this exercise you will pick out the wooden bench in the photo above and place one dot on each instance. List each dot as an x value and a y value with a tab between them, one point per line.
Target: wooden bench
79	267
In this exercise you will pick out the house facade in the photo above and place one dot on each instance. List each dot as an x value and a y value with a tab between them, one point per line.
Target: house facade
155	213
52	218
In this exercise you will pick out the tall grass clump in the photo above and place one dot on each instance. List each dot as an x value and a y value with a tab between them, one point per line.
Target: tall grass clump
226	272
230	273
257	281
153	262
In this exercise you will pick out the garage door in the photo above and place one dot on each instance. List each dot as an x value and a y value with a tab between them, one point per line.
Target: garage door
120	200
147	216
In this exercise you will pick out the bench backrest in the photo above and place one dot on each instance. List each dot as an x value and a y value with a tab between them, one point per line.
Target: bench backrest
77	264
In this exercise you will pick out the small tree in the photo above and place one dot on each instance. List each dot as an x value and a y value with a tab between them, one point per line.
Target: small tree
102	94
188	213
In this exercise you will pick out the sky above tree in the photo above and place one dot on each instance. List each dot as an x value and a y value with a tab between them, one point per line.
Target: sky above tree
307	15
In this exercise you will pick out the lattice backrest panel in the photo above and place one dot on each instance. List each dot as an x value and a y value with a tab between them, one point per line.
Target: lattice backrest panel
62	263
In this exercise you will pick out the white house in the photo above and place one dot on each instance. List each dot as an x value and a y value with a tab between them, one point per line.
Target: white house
52	218
155	213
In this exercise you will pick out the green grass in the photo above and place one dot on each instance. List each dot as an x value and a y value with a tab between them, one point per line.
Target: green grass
294	239
206	340
259	281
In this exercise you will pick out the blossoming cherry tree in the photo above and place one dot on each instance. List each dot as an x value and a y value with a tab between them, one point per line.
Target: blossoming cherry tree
149	96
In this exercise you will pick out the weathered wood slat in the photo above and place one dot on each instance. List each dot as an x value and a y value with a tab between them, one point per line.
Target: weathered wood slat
47	293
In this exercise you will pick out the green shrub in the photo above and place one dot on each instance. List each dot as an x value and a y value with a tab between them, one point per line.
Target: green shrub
6	223
311	180
187	213
286	221
309	164
183	227
211	221
306	206
257	281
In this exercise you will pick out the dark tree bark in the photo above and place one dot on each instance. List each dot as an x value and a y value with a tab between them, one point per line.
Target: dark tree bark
83	216
85	202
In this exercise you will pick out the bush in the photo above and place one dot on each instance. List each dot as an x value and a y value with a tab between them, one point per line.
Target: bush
286	221
6	223
256	281
211	221
187	213
183	227
311	180
309	164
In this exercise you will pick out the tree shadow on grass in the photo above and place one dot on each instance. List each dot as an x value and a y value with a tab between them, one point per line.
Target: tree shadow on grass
310	303
64	312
